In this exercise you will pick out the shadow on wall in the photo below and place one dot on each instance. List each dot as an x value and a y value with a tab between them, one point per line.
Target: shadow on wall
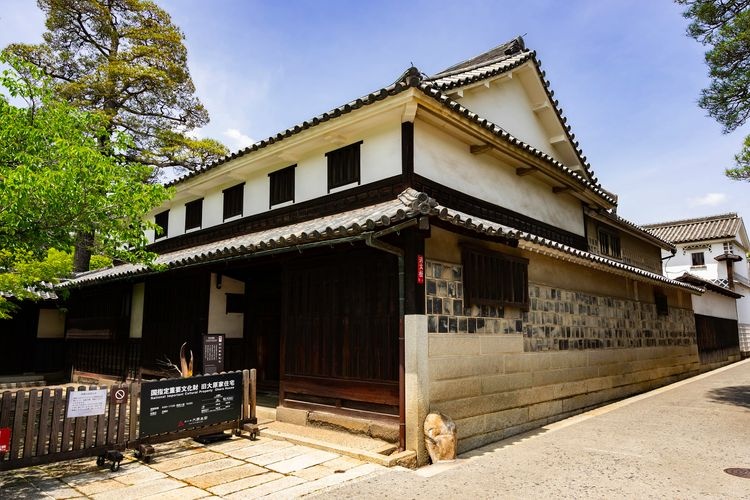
736	395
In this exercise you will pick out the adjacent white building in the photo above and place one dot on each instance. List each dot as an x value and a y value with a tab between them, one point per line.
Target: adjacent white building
714	249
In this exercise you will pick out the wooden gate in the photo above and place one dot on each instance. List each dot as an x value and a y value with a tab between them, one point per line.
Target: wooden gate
41	432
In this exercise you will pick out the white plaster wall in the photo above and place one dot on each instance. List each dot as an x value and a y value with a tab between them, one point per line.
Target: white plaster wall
136	310
380	156
51	324
444	159
682	262
716	305
743	304
506	104
218	319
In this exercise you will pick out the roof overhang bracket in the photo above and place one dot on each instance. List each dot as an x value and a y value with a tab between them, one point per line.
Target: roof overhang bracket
410	112
561	189
478	149
522	171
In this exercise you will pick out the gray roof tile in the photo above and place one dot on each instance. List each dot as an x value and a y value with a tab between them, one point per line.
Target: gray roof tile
699	229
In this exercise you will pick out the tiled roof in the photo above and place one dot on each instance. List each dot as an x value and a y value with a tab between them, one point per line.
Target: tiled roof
501	60
633	227
43	292
712	285
700	229
412	78
353	225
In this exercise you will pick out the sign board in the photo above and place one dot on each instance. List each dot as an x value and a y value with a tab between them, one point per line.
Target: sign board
4	439
420	269
86	403
118	395
185	403
213	353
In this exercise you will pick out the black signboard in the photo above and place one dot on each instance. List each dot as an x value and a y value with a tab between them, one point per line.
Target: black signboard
213	353
186	403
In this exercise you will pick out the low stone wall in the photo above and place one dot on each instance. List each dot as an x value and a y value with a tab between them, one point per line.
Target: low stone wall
492	389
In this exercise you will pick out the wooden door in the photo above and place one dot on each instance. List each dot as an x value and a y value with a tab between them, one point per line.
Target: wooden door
262	328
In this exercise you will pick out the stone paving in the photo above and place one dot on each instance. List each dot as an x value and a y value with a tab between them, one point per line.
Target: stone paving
237	468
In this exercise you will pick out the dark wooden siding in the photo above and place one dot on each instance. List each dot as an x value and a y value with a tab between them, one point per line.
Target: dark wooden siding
100	312
175	310
718	338
340	328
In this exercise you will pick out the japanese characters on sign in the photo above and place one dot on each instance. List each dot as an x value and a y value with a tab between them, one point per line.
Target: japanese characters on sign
86	403
213	353
420	269
4	439
185	403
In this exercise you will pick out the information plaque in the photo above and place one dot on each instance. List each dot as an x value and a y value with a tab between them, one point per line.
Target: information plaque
186	403
213	353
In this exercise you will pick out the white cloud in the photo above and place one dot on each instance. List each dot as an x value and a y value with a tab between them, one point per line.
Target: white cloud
237	140
709	200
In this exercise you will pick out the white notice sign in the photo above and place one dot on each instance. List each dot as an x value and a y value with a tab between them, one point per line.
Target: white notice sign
86	403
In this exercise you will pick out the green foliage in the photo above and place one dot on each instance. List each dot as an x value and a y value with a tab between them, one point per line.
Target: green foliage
125	60
56	182
724	26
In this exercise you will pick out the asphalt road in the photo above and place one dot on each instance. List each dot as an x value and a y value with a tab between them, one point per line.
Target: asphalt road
675	442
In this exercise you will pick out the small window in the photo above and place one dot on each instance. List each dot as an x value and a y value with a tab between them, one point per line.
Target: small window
609	244
495	279
698	259
343	166
162	220
193	214
235	303
662	307
233	198
282	185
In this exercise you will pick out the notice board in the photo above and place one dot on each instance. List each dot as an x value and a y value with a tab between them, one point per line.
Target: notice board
186	403
213	353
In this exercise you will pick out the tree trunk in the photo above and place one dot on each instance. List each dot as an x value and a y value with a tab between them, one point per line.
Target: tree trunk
82	253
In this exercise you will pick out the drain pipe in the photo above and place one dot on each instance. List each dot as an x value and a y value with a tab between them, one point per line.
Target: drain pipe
372	241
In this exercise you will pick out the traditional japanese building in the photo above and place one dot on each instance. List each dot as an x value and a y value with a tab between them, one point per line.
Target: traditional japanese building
440	244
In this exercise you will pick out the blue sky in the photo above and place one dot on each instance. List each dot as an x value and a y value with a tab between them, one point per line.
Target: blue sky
625	74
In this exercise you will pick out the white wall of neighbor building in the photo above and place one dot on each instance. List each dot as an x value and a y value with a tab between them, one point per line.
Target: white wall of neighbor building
682	261
506	103
380	158
136	310
218	319
716	305
51	324
445	159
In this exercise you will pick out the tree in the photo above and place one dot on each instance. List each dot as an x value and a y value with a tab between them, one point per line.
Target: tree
56	182
126	61
724	26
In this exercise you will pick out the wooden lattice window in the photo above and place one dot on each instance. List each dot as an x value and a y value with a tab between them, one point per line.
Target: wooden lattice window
282	185
193	214
495	279
233	199
609	244
662	306
343	166
698	258
162	220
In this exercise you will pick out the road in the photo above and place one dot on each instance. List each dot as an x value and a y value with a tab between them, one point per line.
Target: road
674	442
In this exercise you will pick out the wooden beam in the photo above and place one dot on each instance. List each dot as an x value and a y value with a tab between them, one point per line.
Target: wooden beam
557	139
542	106
409	112
477	149
561	189
525	171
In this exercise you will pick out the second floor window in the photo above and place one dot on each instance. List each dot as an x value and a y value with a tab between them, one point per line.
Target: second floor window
233	199
193	214
609	244
162	220
282	185
343	166
698	259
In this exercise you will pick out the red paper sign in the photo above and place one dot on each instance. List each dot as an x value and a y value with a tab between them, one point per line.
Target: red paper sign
420	269
4	439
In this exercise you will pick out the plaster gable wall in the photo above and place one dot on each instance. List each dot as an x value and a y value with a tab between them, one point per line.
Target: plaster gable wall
380	158
682	262
447	160
507	104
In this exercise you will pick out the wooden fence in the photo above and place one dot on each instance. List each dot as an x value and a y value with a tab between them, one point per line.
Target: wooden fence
41	432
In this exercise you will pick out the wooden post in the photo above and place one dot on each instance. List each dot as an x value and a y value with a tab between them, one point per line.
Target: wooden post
79	427
57	416
253	387
16	437
135	396
44	424
28	444
245	394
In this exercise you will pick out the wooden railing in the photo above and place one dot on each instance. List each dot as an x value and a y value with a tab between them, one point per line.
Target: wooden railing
41	432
